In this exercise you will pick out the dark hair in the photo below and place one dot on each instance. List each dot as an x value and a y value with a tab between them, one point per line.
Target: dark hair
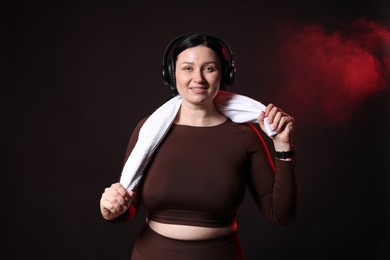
197	39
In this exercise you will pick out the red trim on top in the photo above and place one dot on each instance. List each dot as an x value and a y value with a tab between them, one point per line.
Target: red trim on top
269	158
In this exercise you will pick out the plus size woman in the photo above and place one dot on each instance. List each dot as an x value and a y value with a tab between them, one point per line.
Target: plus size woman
196	179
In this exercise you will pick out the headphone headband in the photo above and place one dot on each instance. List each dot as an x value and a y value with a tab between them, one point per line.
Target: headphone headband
168	70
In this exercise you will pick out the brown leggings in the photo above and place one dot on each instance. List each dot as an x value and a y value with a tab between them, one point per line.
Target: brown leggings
153	246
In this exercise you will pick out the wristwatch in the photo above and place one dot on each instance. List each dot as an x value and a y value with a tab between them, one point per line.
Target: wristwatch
285	154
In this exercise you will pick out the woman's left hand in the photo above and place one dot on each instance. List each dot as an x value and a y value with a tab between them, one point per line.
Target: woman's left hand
280	122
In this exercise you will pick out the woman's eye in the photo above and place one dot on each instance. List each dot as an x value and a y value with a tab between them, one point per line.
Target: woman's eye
187	68
210	69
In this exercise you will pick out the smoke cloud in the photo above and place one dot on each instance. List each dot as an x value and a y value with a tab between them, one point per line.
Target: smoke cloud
328	72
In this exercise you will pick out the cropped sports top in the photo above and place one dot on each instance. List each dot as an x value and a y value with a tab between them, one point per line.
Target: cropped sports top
198	176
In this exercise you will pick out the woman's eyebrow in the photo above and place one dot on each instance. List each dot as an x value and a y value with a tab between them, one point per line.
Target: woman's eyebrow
207	62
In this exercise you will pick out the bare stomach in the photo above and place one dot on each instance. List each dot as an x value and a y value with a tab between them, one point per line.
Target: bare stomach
185	232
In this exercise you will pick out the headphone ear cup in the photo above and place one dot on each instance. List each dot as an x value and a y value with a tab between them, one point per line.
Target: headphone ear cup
171	73
165	75
227	76
231	75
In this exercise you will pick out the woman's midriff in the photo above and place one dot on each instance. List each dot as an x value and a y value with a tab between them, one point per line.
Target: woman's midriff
185	232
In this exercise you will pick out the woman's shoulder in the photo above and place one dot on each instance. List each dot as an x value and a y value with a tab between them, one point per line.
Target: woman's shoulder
252	133
142	121
247	127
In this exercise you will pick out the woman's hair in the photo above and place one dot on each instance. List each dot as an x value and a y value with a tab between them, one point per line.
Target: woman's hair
203	39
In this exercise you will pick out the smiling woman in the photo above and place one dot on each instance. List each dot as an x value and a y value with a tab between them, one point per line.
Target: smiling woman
198	74
196	178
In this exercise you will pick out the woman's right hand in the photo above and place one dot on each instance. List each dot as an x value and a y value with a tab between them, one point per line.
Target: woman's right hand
115	201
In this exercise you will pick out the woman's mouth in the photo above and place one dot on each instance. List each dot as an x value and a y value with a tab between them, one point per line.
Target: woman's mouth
198	90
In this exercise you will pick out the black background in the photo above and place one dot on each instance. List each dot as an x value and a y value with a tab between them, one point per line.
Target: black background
79	75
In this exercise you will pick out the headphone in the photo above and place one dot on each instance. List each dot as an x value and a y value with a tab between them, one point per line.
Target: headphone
168	68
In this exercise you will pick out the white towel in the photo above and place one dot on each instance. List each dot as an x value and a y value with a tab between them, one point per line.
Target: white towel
238	108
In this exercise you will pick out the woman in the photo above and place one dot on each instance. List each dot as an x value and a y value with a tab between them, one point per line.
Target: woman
196	180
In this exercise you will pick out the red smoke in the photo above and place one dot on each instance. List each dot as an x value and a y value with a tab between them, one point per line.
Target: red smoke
326	73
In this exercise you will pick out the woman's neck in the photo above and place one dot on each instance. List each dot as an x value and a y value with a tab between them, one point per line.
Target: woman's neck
199	116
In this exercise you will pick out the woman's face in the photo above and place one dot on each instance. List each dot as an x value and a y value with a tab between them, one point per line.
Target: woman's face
198	74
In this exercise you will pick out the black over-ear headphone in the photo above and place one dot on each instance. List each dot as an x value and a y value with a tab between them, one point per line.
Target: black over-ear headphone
168	69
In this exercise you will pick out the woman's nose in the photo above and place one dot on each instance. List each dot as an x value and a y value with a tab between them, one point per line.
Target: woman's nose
198	76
